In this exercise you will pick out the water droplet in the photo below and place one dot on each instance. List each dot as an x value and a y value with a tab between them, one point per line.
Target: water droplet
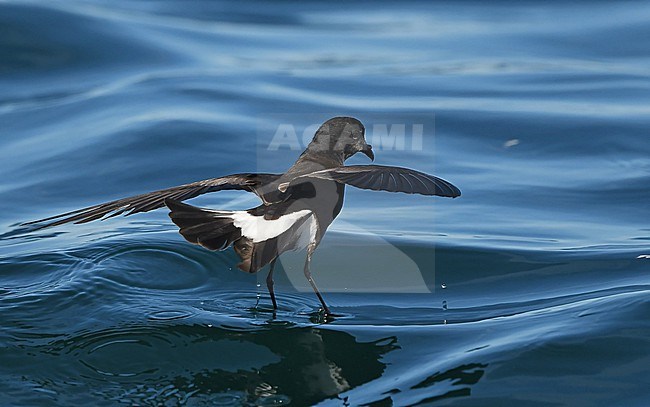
444	305
258	295
443	286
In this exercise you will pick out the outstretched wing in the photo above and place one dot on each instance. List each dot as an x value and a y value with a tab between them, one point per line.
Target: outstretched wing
154	200
383	178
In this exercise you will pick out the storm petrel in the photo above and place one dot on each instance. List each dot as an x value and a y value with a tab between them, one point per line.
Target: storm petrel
297	206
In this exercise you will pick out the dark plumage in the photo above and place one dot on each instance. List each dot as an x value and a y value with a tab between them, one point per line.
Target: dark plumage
297	206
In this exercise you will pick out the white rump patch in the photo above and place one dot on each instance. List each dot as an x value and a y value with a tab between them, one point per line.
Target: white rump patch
259	229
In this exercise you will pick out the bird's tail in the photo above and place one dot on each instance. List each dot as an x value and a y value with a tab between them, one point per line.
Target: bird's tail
216	230
213	230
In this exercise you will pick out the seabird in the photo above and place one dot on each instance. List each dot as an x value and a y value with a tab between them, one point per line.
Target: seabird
297	206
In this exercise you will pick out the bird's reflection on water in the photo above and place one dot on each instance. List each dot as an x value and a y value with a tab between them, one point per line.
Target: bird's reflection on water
276	364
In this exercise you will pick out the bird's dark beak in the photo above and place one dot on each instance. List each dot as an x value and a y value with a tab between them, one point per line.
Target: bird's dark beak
368	151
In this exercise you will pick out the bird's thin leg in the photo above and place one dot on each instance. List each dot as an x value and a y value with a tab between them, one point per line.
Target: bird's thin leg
311	280
270	283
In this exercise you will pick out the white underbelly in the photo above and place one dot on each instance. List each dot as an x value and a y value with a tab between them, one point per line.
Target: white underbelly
307	233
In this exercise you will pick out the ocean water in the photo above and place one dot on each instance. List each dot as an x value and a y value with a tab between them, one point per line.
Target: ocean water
533	288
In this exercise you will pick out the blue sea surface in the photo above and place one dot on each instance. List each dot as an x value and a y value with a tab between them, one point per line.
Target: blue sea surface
532	288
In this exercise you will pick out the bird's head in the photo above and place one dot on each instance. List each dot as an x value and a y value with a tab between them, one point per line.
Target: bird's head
342	135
